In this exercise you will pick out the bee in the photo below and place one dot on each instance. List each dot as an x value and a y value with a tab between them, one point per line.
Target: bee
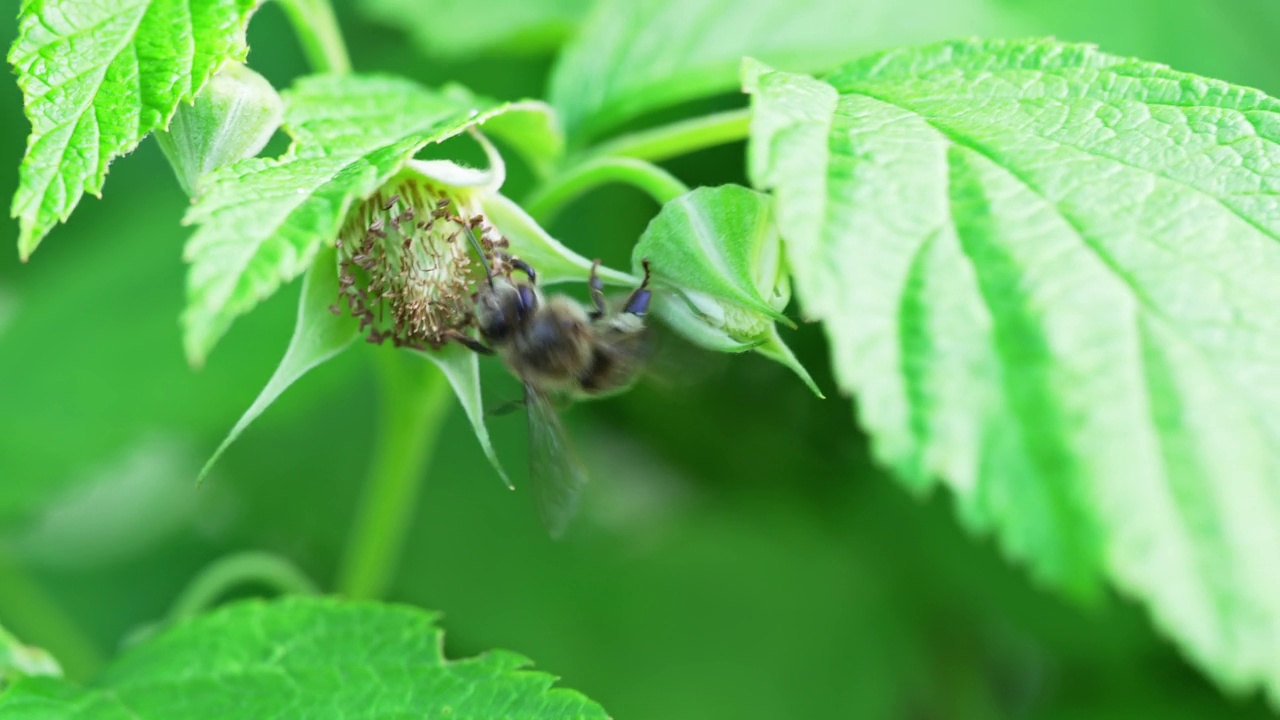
557	348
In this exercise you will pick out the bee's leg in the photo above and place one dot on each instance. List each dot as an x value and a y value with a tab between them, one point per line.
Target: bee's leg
597	292
523	267
469	342
638	303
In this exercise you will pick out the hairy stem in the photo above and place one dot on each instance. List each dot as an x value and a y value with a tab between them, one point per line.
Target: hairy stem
658	183
234	570
318	32
36	618
415	401
679	138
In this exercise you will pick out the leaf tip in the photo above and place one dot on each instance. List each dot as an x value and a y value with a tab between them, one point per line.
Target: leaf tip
194	350
749	72
28	240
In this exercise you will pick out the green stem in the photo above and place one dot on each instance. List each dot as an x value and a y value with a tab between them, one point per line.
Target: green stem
680	138
234	570
317	30
658	183
34	616
415	402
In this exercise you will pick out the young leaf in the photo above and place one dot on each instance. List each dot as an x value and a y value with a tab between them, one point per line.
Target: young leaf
716	253
632	57
461	28
302	657
1050	276
318	335
97	78
262	220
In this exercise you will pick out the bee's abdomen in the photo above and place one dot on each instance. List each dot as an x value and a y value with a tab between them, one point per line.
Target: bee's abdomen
599	375
606	373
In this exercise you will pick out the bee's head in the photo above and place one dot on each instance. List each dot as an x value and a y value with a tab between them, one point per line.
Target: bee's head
504	306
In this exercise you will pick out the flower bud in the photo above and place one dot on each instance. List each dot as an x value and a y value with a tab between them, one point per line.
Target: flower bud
231	119
720	280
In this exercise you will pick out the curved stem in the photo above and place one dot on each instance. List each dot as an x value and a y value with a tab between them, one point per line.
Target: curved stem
658	183
679	138
415	402
37	619
229	572
317	31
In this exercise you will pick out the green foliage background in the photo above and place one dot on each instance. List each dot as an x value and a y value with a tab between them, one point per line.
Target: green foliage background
739	556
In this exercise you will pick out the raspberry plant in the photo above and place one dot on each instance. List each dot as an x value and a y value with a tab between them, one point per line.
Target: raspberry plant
1047	275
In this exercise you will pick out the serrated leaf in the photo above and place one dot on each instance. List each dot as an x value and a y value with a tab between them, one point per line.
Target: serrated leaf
262	220
633	57
318	335
302	657
717	254
1049	274
462	28
97	79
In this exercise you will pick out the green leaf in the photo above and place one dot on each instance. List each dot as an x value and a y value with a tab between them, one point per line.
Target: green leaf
97	78
1050	276
262	220
302	657
716	260
318	335
461	28
633	57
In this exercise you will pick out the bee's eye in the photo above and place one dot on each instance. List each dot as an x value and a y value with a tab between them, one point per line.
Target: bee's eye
526	300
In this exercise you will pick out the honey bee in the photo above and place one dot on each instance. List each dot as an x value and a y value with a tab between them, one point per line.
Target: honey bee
558	348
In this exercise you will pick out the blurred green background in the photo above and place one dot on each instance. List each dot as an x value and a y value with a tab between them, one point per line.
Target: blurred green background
739	556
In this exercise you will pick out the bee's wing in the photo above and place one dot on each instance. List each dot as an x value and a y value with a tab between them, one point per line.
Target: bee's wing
555	473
